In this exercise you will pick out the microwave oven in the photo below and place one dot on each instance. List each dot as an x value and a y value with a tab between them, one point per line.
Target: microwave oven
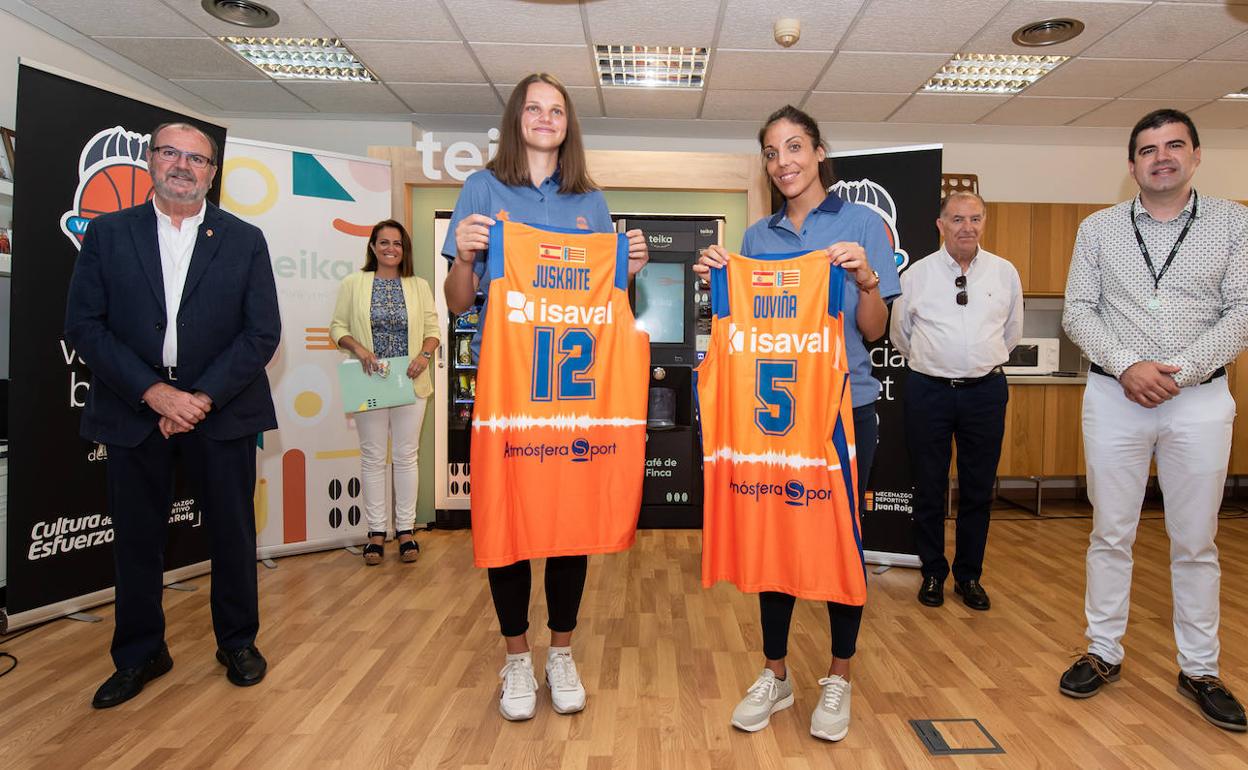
1033	355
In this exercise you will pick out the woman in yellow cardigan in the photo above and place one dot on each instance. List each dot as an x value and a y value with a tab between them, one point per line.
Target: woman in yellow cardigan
385	311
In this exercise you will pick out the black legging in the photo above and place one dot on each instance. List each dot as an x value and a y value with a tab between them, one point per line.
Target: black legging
565	582
776	610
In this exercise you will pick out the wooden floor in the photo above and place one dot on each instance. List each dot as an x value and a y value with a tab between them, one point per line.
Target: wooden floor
396	666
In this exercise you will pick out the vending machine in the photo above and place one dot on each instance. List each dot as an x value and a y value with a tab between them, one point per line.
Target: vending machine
670	304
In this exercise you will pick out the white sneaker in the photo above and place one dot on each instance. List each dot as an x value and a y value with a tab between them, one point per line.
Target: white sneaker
518	699
567	694
765	697
830	719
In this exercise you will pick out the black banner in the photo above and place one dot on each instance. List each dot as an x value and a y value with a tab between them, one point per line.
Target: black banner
903	187
85	155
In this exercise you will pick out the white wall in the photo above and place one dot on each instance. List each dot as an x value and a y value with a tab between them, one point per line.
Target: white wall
351	137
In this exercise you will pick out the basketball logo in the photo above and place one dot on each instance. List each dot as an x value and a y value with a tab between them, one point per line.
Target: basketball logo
112	175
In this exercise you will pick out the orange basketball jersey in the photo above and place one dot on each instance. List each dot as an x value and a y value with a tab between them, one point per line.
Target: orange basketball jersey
778	432
559	427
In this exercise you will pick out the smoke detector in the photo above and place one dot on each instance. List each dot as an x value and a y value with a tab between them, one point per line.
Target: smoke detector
787	32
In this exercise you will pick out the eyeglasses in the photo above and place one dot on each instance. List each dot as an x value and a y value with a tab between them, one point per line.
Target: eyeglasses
171	154
960	282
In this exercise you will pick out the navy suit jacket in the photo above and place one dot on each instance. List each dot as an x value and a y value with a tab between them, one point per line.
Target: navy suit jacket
228	324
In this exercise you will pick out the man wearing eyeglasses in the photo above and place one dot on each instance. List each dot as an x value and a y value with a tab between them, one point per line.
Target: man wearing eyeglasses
1157	298
959	316
173	307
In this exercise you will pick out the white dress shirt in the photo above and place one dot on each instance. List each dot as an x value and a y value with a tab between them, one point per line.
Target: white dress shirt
176	246
944	339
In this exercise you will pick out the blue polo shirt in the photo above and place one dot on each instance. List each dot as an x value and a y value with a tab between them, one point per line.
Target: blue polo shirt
482	193
832	221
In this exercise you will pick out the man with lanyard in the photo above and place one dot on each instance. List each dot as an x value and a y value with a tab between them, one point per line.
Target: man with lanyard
959	315
1157	298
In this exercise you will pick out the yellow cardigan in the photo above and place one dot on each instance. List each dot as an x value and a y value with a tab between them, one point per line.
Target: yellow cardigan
352	315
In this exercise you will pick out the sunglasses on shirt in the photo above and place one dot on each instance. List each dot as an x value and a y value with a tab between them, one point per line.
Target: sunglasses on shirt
960	282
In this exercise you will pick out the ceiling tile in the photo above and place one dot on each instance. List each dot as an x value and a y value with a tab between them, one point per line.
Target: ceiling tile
747	105
1196	80
1235	49
483	21
1224	113
1099	77
652	22
385	19
881	73
1126	112
412	62
947	108
651	103
1170	31
758	70
852	107
750	23
449	98
132	18
584	99
1099	19
183	57
246	95
933	26
1040	111
511	63
294	20
348	98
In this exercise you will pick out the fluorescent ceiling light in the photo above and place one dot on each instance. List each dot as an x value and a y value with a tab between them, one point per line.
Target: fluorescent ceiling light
651	66
1242	94
301	58
991	73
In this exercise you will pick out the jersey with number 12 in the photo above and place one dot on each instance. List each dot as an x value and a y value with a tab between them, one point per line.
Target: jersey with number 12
778	432
559	425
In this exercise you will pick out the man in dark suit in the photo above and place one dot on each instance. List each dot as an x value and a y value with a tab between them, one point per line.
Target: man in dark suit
173	307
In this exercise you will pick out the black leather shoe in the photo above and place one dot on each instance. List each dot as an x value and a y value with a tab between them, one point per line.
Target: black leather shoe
125	683
932	592
973	594
1087	675
1215	701
244	666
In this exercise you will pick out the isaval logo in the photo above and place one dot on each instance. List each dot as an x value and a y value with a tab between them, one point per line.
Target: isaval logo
112	175
875	197
521	309
740	340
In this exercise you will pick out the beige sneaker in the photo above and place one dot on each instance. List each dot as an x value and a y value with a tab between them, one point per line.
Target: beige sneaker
830	719
765	697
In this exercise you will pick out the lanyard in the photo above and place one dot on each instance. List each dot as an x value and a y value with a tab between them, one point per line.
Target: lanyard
1173	251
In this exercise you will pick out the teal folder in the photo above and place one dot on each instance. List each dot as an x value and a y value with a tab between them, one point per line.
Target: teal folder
362	392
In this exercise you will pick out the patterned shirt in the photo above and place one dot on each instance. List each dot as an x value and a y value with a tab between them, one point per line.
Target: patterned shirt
1199	319
389	318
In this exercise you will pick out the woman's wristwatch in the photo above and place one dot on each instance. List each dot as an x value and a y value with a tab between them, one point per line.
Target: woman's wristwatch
871	284
427	355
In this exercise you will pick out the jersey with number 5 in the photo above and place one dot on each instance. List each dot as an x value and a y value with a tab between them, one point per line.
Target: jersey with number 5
559	426
778	432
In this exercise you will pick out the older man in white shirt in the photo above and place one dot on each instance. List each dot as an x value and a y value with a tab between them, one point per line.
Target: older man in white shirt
959	315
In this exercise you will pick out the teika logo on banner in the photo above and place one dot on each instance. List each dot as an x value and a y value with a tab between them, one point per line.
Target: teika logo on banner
112	175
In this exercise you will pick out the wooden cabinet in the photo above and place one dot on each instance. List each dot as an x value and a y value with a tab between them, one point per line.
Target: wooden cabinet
1063	430
1237	374
1022	449
1007	233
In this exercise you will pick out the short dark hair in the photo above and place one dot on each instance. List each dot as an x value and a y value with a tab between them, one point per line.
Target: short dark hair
1157	119
406	267
945	201
183	124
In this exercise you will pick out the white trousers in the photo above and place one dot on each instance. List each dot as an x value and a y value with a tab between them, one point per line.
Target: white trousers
1191	437
400	427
